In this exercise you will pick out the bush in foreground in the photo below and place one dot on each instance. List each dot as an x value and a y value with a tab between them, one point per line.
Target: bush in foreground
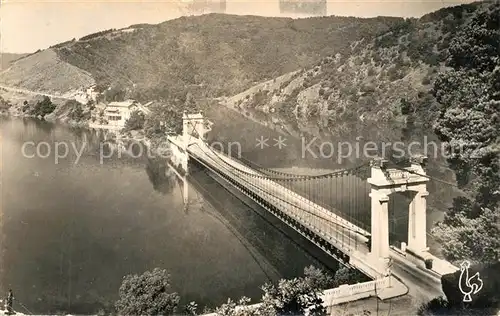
288	297
147	294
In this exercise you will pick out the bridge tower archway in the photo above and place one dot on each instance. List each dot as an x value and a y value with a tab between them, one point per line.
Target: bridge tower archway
399	203
194	126
386	181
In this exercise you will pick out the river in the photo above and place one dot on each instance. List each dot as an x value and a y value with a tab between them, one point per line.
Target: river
72	228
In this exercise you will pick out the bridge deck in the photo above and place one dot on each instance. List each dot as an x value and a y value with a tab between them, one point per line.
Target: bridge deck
272	188
343	235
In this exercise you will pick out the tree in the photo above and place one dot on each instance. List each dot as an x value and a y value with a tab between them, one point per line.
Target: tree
478	44
76	111
135	122
4	104
190	104
473	238
190	309
43	107
114	94
232	308
167	116
153	128
147	294
346	275
294	297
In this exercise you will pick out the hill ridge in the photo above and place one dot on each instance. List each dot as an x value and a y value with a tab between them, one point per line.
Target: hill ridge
210	55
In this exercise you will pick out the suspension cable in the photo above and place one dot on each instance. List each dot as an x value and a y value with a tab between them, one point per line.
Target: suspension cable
270	170
425	176
294	176
277	178
282	200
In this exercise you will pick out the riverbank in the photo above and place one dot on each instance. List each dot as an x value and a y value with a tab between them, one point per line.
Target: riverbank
17	113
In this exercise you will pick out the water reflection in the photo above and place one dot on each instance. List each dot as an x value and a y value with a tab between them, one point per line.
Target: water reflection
44	126
161	176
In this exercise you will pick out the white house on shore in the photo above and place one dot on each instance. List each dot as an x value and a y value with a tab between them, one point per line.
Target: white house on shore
117	113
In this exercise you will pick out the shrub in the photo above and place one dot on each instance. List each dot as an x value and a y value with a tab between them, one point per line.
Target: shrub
438	305
288	297
426	80
147	294
43	107
405	107
135	122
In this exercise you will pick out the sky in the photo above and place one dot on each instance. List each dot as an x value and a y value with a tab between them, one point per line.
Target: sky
29	25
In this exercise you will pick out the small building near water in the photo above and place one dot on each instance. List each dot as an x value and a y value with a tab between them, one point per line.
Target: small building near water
117	113
114	115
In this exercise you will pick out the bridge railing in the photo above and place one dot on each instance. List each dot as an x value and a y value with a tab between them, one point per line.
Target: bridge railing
347	293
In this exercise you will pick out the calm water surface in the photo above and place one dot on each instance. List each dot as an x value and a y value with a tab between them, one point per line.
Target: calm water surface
71	230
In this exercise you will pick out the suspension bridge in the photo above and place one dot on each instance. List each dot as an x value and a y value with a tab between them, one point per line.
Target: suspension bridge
345	212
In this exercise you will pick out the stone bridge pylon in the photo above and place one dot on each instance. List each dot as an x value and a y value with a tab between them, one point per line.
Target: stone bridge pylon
386	181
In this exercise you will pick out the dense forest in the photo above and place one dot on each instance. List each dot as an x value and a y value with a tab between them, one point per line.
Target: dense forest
469	117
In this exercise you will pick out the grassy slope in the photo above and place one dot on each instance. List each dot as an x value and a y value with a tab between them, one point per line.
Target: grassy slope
45	71
7	58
